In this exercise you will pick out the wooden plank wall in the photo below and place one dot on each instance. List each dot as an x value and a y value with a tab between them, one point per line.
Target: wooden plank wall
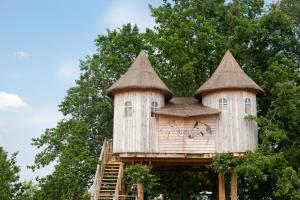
234	132
138	133
178	135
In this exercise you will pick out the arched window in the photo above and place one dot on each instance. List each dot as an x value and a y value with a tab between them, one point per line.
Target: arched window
222	103
154	107
247	105
128	109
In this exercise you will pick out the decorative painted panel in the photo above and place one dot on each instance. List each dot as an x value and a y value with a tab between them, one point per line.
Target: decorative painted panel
187	135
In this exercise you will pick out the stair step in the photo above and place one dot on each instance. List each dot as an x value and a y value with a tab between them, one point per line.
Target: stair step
108	197
103	189
107	191
108	183
108	186
109	175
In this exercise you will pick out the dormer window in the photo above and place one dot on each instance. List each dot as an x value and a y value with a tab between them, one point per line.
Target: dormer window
247	105
128	109
222	103
154	107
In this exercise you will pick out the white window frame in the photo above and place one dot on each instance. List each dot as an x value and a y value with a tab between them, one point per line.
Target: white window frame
247	105
153	107
223	103
128	109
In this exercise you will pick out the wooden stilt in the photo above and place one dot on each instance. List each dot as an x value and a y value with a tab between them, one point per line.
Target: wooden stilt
123	189
221	179
140	191
234	185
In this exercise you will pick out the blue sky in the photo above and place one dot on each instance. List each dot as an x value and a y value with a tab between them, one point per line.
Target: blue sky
40	46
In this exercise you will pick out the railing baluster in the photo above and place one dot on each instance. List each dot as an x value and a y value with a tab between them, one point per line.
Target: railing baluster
99	171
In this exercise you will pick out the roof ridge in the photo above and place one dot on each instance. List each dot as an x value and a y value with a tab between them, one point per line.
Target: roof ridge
228	75
140	75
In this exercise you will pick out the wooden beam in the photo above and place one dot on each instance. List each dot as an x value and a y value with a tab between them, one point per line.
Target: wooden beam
234	186
221	180
140	191
123	189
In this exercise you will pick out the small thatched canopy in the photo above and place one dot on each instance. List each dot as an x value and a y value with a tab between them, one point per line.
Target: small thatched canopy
140	76
228	75
185	107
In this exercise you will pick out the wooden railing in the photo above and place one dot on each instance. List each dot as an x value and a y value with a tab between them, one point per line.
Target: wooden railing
100	170
119	181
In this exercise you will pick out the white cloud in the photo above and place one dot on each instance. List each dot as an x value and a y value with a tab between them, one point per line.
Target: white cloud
22	54
11	101
69	72
123	12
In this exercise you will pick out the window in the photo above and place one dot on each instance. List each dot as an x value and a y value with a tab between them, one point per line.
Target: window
128	109
154	106
222	103
247	105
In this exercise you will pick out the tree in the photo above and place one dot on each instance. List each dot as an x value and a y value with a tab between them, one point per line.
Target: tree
9	176
27	191
185	47
75	142
140	174
190	35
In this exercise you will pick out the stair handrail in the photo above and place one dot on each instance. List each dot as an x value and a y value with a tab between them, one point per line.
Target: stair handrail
119	181
100	170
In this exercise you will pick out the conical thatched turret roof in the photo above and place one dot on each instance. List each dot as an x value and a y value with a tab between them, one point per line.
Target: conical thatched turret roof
140	76
228	75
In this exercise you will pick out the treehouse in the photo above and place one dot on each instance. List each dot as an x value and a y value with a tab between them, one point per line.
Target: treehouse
154	128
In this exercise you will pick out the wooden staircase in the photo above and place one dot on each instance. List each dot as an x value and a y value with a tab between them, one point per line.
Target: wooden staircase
109	174
109	181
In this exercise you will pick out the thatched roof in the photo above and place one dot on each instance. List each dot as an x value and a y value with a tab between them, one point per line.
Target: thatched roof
228	75
185	107
140	76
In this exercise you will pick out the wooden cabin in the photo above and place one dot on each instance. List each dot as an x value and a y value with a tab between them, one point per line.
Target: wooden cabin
153	127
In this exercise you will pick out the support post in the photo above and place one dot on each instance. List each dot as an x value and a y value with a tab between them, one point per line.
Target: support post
140	191
234	186
221	180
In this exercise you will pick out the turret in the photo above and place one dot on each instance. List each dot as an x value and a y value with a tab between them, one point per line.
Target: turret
230	90
137	94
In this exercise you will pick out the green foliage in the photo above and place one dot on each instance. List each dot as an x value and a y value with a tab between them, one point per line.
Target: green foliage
27	191
180	184
9	177
185	47
74	144
10	186
223	162
141	174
